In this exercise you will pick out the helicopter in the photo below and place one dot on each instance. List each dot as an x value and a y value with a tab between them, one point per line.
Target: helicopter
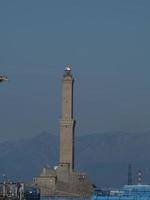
3	78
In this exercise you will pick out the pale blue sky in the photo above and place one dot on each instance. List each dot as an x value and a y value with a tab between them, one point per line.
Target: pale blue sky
106	42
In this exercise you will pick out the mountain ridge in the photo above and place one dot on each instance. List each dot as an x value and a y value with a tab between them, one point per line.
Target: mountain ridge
105	157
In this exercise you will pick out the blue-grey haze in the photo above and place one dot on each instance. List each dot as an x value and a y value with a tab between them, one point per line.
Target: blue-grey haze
106	42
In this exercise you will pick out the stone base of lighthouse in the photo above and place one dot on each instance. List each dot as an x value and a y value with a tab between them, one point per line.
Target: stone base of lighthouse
61	182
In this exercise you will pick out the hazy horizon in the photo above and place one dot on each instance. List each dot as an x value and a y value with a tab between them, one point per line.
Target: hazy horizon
106	42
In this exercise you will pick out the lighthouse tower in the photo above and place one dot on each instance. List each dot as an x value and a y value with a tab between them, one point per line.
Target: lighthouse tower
67	123
63	179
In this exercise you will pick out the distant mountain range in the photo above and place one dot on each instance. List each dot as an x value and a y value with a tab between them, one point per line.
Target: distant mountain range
104	157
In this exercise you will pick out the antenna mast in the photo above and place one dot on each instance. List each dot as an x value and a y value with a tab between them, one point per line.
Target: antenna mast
129	174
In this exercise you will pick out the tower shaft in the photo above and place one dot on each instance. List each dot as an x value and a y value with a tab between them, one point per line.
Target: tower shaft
67	122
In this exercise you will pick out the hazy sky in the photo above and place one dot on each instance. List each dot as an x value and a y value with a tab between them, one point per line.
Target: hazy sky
107	42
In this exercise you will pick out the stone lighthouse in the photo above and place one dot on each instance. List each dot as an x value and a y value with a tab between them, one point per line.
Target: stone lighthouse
63	180
67	123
